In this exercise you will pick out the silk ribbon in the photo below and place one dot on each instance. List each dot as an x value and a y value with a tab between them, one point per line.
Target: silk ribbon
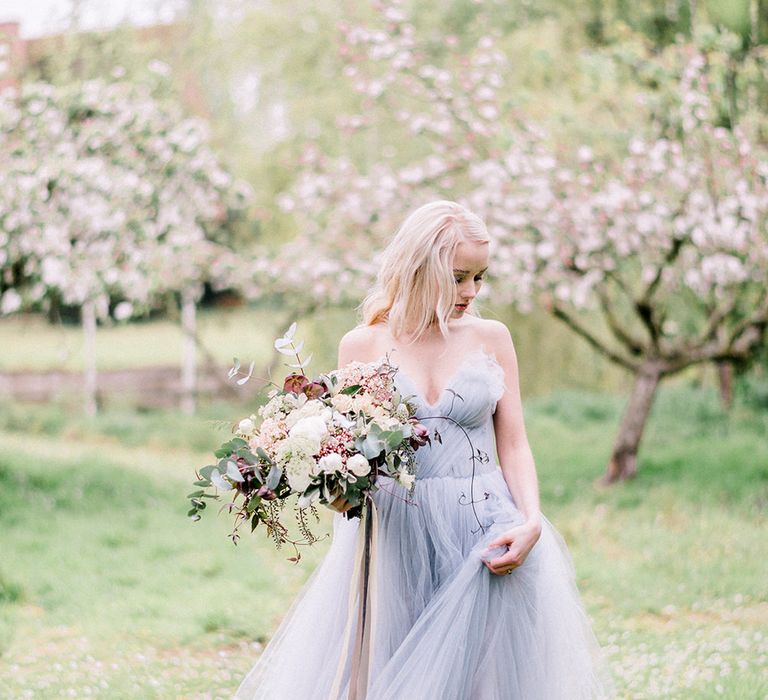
361	610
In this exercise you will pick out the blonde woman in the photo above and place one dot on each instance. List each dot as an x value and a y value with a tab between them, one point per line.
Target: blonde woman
474	589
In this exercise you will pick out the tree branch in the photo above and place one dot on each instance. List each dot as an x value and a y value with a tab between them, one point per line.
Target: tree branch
634	346
559	313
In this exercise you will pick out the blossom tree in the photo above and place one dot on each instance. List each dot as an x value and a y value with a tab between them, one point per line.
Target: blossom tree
668	248
107	194
657	256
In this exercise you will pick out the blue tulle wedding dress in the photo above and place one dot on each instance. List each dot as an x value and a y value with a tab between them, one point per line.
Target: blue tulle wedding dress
445	627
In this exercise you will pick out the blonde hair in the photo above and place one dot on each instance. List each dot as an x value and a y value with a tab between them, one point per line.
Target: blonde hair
415	283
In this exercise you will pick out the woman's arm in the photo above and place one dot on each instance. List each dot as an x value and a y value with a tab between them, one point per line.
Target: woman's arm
515	456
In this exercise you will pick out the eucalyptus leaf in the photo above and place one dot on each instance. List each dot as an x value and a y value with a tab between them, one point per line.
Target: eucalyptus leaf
393	438
248	456
301	365
233	472
205	472
263	455
273	478
371	446
219	482
244	379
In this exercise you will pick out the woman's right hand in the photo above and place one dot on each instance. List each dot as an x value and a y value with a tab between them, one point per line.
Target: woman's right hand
340	504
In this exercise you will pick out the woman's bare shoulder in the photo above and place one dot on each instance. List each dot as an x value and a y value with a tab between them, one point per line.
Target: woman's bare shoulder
492	333
359	344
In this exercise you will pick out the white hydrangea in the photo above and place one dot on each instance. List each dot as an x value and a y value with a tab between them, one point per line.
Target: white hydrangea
294	455
273	408
313	429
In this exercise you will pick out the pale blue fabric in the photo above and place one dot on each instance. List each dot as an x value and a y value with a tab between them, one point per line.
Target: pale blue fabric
447	628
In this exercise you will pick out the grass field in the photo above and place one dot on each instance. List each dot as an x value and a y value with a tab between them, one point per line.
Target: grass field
107	590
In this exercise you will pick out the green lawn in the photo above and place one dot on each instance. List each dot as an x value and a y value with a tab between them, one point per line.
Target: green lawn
106	589
29	342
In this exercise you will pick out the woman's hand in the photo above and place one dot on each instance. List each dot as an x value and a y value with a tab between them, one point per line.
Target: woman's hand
340	504
519	540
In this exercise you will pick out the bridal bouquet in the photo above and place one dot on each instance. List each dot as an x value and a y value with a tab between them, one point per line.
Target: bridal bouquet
317	439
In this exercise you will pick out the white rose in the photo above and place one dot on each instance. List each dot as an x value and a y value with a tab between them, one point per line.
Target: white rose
363	403
246	426
387	422
330	463
358	465
406	479
342	402
312	429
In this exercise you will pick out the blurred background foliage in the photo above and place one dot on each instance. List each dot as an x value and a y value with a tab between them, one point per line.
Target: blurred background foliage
670	564
269	79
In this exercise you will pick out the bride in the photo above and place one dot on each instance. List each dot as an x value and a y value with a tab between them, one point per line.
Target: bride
473	593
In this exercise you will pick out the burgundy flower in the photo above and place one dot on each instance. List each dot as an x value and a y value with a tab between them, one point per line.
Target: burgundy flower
266	494
314	390
295	383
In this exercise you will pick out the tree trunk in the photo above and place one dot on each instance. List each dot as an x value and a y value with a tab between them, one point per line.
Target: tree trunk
725	381
88	320
623	462
189	360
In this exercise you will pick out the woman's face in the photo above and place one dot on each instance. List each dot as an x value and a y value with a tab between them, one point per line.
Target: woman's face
470	262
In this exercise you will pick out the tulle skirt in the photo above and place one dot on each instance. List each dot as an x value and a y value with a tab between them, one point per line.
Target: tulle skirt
444	626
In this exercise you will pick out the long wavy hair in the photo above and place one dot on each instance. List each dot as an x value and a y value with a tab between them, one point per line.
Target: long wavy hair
415	284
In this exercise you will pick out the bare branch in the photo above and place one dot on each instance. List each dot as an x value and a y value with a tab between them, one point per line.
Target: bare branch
634	346
718	314
594	341
644	311
669	258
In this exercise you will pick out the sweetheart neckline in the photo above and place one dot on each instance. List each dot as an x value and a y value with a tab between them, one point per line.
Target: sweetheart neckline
454	375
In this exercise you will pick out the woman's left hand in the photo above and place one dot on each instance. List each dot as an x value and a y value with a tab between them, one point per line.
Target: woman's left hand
519	541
